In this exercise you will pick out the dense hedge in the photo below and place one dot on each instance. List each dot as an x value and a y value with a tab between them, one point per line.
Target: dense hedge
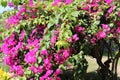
48	40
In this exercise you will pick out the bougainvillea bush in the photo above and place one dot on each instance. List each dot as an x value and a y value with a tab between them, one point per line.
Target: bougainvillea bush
48	40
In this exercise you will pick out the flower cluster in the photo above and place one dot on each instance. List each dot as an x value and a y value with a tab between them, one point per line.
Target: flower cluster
58	2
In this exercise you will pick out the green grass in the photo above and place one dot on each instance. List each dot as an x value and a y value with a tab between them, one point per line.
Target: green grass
2	65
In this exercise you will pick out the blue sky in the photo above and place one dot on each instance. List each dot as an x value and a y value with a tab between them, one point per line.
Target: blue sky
2	9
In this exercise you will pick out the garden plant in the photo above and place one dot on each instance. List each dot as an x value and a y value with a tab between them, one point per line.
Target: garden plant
48	40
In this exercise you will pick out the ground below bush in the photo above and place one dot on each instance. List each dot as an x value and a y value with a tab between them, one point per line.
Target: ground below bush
93	66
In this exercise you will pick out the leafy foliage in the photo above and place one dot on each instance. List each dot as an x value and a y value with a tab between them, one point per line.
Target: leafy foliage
49	40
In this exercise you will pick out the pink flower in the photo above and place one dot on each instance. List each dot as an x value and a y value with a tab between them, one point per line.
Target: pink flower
11	4
33	44
56	2
32	79
57	72
118	23
48	66
32	35
30	57
119	13
40	29
66	54
9	44
69	39
92	6
34	69
19	70
107	15
42	78
57	78
75	37
68	66
111	9
40	69
86	8
93	40
53	39
0	50
9	60
30	2
101	35
44	52
5	49
115	35
47	63
49	78
13	20
57	25
118	30
95	1
56	32
19	46
105	27
79	29
0	32
48	73
22	35
59	59
22	9
68	1
108	1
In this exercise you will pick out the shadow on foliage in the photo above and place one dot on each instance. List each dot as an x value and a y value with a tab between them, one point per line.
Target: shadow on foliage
94	76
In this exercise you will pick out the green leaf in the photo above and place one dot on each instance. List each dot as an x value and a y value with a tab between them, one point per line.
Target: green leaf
63	44
27	71
96	22
65	33
39	60
4	3
75	13
116	52
16	2
20	78
50	24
